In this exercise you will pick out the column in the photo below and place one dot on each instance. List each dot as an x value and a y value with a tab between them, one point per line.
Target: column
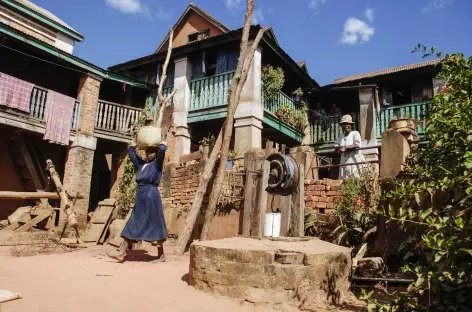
367	99
183	72
250	113
79	161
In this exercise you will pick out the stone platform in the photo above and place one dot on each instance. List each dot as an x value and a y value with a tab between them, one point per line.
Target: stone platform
307	273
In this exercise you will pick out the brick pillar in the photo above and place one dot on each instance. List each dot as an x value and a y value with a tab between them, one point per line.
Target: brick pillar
181	104
79	162
250	113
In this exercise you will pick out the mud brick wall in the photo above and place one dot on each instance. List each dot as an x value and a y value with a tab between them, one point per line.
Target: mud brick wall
320	195
179	193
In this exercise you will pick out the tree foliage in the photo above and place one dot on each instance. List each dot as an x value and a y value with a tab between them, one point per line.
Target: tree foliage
435	194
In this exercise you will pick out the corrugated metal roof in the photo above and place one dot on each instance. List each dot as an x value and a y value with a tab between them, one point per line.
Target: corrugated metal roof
387	71
44	12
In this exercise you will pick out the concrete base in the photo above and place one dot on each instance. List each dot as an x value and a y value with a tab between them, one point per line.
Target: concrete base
303	272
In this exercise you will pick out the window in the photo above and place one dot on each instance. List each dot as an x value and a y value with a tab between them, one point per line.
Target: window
204	34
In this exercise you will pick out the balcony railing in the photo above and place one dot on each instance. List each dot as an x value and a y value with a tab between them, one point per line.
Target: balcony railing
417	111
280	99
116	117
38	105
210	91
167	91
328	133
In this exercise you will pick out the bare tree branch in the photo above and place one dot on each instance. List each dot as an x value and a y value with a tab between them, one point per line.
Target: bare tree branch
184	237
159	113
228	132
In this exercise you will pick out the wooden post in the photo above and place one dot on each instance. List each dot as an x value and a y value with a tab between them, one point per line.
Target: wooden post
66	206
286	202
261	200
297	212
250	163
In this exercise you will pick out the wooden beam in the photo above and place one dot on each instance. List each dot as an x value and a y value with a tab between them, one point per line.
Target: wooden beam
32	195
25	227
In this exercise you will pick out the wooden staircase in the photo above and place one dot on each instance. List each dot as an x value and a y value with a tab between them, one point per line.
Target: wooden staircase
33	217
27	164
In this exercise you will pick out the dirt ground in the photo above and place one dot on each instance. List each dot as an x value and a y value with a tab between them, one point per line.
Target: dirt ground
87	280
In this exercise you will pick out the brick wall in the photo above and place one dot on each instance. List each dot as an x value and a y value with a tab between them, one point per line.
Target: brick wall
179	199
320	195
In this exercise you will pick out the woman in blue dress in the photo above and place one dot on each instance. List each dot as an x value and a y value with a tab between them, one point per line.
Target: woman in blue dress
146	222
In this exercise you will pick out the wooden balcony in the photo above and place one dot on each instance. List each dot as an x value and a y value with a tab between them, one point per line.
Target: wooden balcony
35	120
209	98
115	121
324	139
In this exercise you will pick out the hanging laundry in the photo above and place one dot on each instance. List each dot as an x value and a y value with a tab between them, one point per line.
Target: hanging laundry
15	93
124	86
58	116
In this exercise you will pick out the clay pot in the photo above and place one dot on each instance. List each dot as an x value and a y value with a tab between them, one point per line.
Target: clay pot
402	123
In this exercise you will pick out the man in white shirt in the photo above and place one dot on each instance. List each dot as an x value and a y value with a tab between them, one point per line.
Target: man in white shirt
348	143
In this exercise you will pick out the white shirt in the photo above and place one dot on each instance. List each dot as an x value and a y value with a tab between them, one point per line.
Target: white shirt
353	138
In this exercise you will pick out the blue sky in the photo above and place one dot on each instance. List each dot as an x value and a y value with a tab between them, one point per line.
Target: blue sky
336	38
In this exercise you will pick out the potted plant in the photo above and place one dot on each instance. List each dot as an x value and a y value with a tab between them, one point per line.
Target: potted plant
406	122
232	154
284	112
298	94
207	144
300	120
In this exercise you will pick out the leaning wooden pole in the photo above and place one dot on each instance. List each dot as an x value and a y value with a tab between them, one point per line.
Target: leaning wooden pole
66	206
205	177
227	134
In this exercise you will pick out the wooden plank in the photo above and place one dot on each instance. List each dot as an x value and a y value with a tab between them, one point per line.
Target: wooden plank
11	227
261	200
98	223
297	213
34	221
117	240
285	205
249	189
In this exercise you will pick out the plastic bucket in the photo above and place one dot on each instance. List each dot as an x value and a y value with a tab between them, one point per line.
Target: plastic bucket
272	224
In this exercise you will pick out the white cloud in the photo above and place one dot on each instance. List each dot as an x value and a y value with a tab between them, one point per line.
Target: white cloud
436	5
257	17
369	14
314	5
356	31
127	6
233	5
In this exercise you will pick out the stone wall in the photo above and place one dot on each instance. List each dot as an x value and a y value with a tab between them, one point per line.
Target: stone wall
320	195
178	194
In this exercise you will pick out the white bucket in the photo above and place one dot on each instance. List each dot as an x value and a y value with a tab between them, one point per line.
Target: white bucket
272	224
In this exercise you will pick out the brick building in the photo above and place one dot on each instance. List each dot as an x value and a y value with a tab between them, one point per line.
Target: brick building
36	51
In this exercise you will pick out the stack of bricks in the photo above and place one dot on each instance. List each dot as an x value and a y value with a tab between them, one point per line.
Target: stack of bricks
320	195
184	183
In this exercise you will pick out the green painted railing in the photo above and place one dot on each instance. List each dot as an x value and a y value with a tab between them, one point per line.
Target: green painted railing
279	100
167	91
417	111
210	91
330	135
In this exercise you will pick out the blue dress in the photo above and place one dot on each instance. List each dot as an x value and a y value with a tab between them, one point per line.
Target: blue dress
147	222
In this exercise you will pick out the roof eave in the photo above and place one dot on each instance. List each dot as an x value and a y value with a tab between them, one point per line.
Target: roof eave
43	19
73	60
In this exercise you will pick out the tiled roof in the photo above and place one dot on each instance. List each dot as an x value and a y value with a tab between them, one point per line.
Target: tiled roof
387	71
192	6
